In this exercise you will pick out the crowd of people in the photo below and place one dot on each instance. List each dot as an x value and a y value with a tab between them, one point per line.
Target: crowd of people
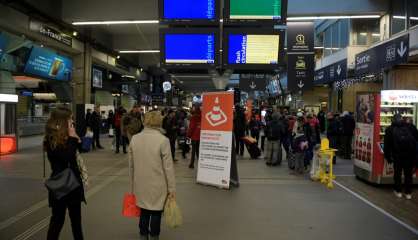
297	133
151	138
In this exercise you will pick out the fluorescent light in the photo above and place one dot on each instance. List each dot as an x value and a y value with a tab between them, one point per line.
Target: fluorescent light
116	22
319	47
9	98
413	18
376	34
399	17
128	76
331	17
139	51
363	34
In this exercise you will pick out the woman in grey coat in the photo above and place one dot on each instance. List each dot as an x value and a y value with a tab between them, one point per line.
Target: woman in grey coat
152	174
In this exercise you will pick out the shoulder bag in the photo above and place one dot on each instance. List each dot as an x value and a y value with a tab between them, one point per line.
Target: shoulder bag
63	183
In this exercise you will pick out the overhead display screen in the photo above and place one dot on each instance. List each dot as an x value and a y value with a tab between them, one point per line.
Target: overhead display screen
253	49
189	9
47	64
258	10
189	48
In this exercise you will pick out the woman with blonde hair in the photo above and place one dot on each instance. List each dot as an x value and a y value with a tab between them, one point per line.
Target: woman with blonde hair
61	144
152	174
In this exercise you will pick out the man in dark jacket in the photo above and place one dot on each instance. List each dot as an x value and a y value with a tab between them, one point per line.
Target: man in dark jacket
275	131
95	123
239	130
348	126
400	146
170	127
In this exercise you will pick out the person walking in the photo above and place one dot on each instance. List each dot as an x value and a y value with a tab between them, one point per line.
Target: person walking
194	134
332	132
61	143
348	126
95	124
300	143
274	132
170	127
255	126
400	148
120	139
239	130
183	125
132	122
152	174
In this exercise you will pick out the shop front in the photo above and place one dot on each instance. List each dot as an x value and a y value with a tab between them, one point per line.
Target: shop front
374	109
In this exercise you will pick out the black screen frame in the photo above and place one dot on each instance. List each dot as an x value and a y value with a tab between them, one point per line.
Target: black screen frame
164	31
253	31
263	22
194	22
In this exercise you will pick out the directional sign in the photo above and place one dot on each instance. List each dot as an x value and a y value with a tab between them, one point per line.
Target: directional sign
254	82
383	56
300	72
331	73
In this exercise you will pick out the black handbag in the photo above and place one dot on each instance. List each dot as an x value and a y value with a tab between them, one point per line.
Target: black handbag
63	183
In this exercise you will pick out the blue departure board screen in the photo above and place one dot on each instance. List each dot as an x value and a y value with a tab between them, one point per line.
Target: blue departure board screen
190	48
189	9
253	49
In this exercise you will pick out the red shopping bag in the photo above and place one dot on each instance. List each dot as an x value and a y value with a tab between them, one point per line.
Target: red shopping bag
130	209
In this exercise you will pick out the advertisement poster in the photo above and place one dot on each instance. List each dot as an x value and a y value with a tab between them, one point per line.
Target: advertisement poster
365	108
47	64
216	139
364	133
363	153
97	78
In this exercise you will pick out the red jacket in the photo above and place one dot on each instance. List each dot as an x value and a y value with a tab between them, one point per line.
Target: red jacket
194	128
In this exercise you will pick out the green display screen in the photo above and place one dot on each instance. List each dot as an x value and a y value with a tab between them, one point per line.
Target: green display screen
256	9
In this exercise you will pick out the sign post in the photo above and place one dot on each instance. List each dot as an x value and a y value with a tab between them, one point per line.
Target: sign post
216	139
300	64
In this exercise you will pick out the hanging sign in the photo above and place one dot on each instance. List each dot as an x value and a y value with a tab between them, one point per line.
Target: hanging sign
253	82
300	37
383	56
332	73
300	72
216	139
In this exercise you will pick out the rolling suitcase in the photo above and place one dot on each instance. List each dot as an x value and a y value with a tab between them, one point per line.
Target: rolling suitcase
253	149
290	159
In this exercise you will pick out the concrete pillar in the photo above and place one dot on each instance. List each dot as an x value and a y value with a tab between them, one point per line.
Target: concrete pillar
7	83
82	76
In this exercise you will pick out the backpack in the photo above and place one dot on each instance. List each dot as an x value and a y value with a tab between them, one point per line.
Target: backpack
404	142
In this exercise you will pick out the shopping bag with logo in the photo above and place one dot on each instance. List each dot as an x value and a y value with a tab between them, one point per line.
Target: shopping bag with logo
111	132
172	214
130	209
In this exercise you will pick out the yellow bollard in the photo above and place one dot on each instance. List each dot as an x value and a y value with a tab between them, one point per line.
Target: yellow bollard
327	179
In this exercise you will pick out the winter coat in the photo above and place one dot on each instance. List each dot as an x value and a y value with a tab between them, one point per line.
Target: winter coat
60	158
95	121
170	127
239	124
348	125
194	128
255	126
390	145
151	169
